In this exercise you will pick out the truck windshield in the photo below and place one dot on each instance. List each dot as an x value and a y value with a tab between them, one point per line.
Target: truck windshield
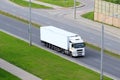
78	45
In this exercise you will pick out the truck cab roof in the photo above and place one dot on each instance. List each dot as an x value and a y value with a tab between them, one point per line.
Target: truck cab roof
76	39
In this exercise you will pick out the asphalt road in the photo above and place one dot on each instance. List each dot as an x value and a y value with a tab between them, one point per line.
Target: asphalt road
92	59
45	18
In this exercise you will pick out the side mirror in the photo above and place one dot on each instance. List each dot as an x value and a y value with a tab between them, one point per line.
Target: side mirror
72	45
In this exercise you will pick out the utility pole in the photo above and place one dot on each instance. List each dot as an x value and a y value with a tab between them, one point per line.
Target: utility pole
74	9
102	50
29	30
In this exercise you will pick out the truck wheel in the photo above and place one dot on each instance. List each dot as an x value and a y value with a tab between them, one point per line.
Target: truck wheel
70	53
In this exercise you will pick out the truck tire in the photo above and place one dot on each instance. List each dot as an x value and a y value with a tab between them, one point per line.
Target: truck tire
70	54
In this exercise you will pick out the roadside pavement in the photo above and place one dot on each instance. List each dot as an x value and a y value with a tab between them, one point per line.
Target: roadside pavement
20	73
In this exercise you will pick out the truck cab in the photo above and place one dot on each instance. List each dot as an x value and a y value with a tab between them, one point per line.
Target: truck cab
77	46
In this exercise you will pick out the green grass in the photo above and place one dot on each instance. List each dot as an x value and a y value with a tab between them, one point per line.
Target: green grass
89	15
26	4
7	76
42	63
63	3
18	18
113	1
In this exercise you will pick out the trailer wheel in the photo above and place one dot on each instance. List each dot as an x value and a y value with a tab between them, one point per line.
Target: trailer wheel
63	51
47	45
52	47
57	49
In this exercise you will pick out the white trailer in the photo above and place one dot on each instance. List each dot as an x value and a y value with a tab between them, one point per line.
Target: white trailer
62	41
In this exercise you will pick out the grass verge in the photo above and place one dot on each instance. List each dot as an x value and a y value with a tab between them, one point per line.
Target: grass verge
42	63
18	18
89	15
62	3
26	4
7	76
105	51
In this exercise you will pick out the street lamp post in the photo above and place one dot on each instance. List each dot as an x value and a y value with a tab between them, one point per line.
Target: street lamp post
29	30
102	50
74	9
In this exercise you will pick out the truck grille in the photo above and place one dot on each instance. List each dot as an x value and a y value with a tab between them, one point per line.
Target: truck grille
79	51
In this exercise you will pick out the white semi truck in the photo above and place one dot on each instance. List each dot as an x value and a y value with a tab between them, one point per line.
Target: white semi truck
62	41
